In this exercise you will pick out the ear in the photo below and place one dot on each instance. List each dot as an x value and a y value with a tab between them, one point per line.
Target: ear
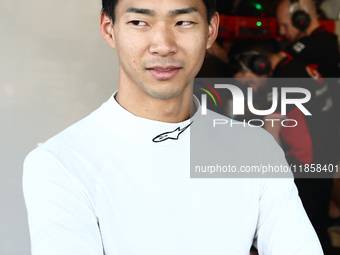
213	29
106	29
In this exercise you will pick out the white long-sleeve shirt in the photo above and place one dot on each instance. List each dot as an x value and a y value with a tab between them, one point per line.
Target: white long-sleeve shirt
103	186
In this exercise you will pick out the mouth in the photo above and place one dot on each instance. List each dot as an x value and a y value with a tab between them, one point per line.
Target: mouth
163	73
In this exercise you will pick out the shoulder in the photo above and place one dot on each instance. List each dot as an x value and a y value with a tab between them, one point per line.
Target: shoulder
322	36
78	152
319	42
295	68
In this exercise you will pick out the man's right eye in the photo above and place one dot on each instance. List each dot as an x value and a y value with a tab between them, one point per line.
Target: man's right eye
138	23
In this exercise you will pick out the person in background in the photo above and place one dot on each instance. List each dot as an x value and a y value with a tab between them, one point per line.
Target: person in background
313	140
311	43
314	45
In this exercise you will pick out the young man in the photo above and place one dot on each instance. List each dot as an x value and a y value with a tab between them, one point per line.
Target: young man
118	181
314	139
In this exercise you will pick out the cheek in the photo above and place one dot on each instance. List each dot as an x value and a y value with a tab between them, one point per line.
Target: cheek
293	31
129	50
195	48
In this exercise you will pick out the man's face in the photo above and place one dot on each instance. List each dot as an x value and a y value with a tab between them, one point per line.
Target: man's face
161	44
256	82
285	22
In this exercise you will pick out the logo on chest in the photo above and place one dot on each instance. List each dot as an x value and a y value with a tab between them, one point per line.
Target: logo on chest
173	135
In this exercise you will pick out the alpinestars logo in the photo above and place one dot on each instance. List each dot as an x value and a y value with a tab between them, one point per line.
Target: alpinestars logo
173	135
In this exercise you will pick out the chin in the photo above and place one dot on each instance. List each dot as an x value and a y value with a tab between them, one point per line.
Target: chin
165	94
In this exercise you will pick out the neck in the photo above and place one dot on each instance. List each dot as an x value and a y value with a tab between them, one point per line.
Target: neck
276	58
313	25
136	100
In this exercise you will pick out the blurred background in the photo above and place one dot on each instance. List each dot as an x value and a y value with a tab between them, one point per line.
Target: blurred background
55	69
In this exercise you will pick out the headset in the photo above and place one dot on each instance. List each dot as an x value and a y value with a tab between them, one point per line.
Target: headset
300	16
256	63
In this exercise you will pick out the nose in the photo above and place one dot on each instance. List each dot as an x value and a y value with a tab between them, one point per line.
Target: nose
282	31
163	41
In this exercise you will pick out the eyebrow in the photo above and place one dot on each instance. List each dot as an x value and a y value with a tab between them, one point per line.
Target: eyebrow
141	11
183	11
153	13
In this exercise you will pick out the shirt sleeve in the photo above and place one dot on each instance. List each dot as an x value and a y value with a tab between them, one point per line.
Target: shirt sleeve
283	226
61	220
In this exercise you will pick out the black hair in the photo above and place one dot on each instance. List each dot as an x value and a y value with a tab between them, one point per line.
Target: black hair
109	6
265	47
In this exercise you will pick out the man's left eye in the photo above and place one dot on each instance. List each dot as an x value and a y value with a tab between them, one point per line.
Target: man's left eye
138	23
184	23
